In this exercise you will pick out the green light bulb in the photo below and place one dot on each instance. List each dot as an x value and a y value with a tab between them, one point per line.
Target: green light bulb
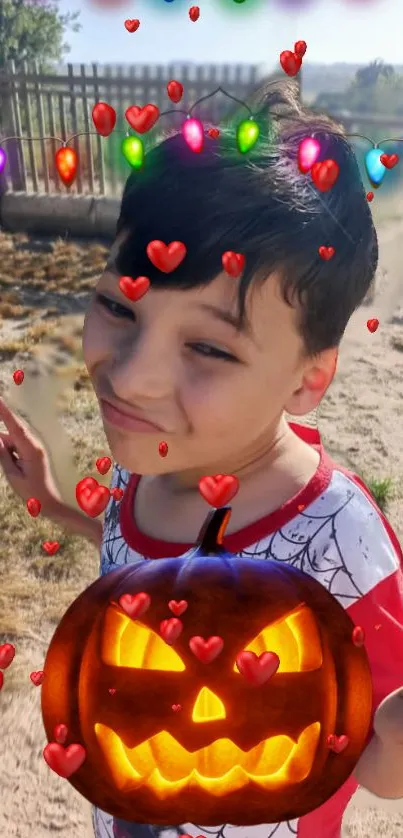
247	135
132	149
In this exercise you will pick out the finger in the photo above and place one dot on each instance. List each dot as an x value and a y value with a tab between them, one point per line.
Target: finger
10	445
8	464
17	428
14	424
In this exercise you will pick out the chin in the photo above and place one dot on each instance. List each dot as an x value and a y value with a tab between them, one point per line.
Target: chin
137	455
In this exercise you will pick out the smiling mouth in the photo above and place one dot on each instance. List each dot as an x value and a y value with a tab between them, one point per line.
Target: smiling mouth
116	417
166	767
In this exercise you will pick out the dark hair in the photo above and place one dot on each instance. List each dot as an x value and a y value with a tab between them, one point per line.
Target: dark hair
258	204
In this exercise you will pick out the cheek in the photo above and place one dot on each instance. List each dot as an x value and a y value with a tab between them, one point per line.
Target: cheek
237	397
221	400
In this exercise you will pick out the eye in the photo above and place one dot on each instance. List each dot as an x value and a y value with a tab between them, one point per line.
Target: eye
212	352
129	643
114	308
295	639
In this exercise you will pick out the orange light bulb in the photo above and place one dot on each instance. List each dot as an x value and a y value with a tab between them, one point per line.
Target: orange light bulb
66	163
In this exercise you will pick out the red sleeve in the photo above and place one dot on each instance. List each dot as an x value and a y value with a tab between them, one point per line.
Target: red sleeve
380	614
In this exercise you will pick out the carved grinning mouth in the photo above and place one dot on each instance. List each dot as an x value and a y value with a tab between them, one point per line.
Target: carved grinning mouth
166	767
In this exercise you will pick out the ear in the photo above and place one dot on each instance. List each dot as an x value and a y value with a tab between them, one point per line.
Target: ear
317	377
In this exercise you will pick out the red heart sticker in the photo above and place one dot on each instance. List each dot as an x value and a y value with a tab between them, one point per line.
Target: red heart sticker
7	654
60	733
50	547
132	25
117	493
358	636
112	690
166	257
372	324
171	629
370	196
175	91
135	606
134	289
104	118
103	464
233	263
163	449
290	62
300	48
37	677
325	174
142	119
91	497
218	489
34	507
337	743
206	650
389	160
194	13
213	133
18	376
326	253
177	608
257	669
64	761
176	708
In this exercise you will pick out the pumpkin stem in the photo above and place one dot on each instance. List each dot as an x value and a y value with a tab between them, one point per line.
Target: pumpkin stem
211	535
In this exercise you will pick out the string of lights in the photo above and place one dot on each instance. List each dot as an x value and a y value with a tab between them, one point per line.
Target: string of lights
143	119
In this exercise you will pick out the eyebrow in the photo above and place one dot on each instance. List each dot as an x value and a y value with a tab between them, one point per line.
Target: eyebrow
227	317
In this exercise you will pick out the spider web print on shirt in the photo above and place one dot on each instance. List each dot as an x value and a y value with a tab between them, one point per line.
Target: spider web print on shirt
329	540
107	827
115	552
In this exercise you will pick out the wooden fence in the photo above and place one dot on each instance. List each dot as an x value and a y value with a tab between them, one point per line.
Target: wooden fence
59	104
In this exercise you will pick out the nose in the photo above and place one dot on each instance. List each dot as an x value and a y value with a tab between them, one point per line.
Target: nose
208	707
143	371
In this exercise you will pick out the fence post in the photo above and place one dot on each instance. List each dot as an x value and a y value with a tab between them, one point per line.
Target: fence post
8	129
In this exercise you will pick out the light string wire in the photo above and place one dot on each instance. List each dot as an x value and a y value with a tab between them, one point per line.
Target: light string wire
188	112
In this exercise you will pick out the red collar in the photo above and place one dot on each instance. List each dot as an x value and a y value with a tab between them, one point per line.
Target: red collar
153	548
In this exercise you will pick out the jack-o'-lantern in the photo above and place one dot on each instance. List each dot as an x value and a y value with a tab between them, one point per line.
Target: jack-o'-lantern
174	729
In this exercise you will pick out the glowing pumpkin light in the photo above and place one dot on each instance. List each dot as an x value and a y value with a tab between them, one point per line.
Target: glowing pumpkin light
264	671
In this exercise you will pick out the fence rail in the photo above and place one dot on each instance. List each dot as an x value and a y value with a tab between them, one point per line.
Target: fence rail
53	104
59	104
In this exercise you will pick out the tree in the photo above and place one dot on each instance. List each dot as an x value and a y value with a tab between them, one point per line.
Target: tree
369	75
34	29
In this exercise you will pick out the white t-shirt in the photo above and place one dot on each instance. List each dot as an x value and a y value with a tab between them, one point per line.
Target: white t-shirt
333	531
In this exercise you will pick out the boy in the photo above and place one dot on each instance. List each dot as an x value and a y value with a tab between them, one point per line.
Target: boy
210	364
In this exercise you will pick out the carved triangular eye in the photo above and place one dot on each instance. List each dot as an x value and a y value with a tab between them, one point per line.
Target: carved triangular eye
295	639
126	642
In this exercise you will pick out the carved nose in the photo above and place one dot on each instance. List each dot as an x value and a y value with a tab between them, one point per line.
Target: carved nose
208	707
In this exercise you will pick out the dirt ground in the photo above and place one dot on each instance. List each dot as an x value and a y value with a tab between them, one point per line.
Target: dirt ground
44	288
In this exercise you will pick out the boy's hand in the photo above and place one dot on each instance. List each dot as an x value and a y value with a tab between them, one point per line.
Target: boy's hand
25	462
388	721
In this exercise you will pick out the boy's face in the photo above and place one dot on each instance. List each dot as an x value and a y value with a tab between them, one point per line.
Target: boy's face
172	367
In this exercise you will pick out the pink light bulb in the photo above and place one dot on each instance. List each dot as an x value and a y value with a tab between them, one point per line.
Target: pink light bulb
3	158
308	153
193	132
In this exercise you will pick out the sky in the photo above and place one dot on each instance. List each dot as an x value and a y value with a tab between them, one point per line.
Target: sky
232	31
